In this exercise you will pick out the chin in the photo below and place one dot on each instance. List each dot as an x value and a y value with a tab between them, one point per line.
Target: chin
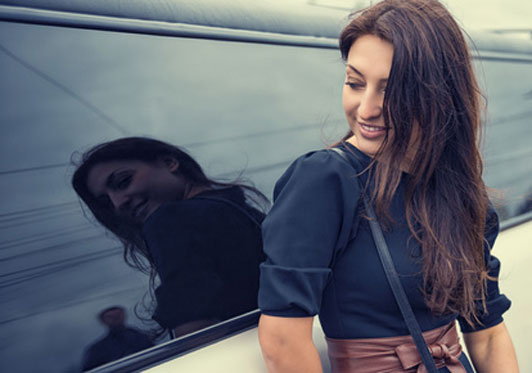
367	147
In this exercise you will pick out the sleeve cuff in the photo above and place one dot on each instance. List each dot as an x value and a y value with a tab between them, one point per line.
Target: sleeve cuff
291	292
496	308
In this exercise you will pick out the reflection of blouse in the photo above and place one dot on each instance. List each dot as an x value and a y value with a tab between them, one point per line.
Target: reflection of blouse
316	207
207	253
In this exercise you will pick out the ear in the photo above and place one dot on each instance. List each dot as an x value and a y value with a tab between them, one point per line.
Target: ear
171	163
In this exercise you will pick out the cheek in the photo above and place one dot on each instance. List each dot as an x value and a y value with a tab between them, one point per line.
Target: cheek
345	100
349	101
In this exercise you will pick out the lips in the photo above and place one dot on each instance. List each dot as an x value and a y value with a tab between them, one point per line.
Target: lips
370	131
372	127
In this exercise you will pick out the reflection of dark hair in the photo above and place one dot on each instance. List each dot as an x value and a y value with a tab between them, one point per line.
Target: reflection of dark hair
131	148
432	86
150	151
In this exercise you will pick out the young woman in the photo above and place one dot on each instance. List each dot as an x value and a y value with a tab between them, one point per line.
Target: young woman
200	237
413	108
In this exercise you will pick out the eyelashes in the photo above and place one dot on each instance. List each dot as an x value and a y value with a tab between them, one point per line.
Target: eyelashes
120	181
353	85
123	182
359	86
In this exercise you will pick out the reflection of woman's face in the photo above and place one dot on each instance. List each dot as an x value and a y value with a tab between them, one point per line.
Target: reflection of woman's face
135	188
368	66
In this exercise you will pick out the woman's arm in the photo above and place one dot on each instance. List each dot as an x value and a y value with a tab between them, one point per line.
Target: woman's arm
287	344
492	350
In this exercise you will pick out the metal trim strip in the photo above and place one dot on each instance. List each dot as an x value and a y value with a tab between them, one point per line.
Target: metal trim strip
150	27
181	346
105	23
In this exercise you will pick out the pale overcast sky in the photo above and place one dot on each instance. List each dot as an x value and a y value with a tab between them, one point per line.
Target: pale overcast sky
492	14
472	14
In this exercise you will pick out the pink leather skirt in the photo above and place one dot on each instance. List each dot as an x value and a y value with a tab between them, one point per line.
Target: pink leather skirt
396	354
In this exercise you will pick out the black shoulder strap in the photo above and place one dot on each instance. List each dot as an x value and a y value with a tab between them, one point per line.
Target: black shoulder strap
395	283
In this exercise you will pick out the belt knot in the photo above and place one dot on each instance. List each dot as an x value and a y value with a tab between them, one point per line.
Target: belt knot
440	351
443	354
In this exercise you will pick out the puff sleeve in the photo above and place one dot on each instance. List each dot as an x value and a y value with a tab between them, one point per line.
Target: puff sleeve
314	209
496	303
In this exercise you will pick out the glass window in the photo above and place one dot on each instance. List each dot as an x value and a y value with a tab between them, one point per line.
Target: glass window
240	110
508	89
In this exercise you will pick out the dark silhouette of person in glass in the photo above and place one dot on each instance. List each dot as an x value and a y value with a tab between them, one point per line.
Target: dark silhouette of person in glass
200	237
120	340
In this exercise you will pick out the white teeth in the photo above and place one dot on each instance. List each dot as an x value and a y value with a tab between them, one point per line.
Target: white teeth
371	128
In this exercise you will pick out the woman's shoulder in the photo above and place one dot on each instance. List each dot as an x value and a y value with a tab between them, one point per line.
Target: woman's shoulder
339	158
335	160
183	213
319	171
197	211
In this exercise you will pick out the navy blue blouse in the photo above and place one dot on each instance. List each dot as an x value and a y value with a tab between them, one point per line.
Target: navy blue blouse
308	272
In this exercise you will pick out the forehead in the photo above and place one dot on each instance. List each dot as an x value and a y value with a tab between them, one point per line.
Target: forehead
100	172
372	56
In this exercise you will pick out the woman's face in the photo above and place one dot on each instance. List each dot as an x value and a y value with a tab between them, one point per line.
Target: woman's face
368	66
135	189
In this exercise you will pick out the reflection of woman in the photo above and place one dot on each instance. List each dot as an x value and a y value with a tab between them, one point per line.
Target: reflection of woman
199	236
412	105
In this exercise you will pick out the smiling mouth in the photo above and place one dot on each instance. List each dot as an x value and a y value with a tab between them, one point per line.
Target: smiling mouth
371	128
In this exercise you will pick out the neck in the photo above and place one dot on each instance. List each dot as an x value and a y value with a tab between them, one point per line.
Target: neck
193	190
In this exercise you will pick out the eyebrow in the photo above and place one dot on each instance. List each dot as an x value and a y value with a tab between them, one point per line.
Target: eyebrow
383	80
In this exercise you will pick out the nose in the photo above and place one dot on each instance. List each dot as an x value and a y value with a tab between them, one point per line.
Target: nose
370	107
120	200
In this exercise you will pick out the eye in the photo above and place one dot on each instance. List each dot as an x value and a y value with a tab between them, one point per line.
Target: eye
354	85
120	181
123	182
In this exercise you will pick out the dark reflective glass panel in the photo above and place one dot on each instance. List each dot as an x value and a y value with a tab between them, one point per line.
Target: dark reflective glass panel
238	109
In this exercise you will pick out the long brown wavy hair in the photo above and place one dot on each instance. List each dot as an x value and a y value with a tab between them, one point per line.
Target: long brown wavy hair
432	100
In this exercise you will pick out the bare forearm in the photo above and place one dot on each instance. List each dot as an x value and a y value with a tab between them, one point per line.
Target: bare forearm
492	350
287	345
288	359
